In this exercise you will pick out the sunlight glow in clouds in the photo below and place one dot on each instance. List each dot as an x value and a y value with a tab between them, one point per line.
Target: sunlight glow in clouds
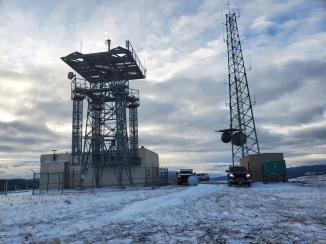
182	99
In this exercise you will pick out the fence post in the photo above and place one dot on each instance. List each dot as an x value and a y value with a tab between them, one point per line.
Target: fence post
73	179
152	177
62	183
6	190
93	181
59	181
33	183
47	184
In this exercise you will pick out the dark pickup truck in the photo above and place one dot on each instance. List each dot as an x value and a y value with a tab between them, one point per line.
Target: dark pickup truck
238	175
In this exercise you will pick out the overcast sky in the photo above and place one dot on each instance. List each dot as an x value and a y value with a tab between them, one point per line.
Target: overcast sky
183	96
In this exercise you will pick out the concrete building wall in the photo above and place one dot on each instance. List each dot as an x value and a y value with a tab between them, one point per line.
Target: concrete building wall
49	169
49	163
254	163
148	157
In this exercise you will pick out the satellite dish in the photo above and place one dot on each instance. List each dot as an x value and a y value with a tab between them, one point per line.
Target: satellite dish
226	136
71	75
239	139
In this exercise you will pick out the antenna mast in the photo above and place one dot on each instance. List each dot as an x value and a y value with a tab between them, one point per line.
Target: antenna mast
242	132
108	43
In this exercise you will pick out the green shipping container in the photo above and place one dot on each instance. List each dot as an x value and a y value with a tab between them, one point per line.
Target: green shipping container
274	169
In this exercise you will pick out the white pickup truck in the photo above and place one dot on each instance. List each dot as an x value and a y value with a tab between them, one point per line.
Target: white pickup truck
183	176
203	177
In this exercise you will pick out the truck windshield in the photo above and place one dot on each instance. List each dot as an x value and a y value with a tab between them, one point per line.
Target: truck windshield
238	169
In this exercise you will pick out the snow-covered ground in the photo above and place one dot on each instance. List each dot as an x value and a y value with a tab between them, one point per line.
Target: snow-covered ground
208	213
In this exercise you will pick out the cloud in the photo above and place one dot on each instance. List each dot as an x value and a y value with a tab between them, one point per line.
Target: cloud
183	98
316	134
3	166
261	24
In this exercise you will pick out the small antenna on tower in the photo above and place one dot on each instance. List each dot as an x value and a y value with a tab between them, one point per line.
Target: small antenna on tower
235	10
226	91
249	53
253	100
108	43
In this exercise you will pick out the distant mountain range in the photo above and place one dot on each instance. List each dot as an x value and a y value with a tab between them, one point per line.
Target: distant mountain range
18	184
295	172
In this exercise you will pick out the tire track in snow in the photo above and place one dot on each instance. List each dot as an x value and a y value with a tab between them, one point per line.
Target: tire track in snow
77	218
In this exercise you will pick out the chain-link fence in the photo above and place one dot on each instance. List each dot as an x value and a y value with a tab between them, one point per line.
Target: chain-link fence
65	181
48	182
16	185
4	187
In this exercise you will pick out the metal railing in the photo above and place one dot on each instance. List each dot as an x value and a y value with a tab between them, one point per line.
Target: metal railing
133	93
134	55
78	85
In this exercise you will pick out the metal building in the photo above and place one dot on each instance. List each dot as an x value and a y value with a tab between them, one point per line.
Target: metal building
254	163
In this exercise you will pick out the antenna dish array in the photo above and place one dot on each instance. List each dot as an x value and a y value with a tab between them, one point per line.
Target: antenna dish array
71	75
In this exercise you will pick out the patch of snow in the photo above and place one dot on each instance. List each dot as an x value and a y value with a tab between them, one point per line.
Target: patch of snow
273	212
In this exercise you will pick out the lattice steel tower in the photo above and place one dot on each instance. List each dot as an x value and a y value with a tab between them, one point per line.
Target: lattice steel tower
105	86
242	122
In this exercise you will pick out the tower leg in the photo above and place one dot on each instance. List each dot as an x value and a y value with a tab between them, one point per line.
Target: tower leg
77	126
133	130
118	172
121	93
129	175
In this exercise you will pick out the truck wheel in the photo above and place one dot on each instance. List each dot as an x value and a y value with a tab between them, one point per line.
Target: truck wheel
249	184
